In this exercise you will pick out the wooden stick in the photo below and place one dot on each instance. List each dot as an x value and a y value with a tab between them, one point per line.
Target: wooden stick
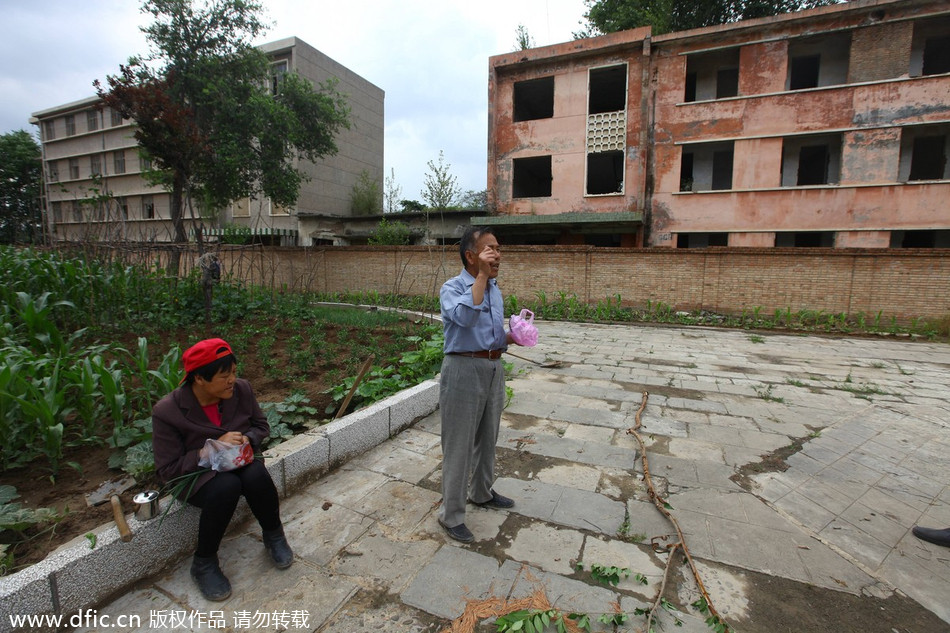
124	532
356	383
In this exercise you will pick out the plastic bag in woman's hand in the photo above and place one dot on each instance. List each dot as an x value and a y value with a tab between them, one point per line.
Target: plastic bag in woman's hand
223	457
522	329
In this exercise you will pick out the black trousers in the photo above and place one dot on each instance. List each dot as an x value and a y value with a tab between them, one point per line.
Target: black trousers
219	497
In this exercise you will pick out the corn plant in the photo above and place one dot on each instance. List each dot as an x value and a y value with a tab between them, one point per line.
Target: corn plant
43	403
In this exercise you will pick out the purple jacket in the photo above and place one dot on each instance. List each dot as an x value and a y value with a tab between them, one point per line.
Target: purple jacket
180	428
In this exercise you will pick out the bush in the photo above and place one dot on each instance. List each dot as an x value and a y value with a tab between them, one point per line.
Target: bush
366	197
389	233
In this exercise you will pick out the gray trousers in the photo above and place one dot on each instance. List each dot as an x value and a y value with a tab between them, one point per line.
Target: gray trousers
471	399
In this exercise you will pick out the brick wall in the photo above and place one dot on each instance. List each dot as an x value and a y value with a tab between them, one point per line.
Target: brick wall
880	52
901	283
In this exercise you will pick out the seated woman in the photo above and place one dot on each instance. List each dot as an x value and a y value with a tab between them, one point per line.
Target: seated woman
213	403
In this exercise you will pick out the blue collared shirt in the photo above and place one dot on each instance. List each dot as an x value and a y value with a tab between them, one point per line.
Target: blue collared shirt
471	328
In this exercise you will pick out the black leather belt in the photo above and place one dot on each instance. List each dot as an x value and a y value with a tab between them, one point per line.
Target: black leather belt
491	354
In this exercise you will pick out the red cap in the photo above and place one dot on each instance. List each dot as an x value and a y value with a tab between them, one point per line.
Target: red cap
205	352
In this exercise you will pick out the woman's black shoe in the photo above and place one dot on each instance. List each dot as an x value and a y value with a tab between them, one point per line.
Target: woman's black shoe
276	544
212	582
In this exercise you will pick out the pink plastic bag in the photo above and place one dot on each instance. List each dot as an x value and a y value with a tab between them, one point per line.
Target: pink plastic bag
522	329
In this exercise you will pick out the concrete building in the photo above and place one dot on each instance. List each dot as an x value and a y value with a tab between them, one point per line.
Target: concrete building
94	173
827	127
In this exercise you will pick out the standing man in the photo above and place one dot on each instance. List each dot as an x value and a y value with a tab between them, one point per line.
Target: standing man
472	385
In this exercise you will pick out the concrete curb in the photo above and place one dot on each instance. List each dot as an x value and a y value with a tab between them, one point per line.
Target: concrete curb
76	576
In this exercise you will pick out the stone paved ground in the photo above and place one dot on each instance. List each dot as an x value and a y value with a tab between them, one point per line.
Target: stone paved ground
795	465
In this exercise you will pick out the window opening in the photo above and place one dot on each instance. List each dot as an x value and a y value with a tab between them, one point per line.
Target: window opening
813	162
686	172
605	173
70	125
533	99
805	239
116	118
95	165
74	169
712	75
722	169
531	177
118	162
49	130
804	73
607	89
701	240
277	72
148	207
920	239
818	61
123	207
690	92
92	121
727	83
706	166
937	55
928	158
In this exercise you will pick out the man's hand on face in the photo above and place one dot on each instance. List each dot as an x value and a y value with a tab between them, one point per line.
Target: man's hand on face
487	259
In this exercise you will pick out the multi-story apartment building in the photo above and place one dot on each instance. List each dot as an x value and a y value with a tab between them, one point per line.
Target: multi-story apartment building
94	172
827	127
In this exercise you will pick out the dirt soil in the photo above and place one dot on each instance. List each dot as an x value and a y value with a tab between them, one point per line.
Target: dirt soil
67	493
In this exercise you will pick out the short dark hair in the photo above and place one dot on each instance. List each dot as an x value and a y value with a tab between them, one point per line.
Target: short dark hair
209	371
469	237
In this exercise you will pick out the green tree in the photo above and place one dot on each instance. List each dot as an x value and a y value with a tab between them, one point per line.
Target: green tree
665	16
473	199
204	110
440	187
523	39
410	206
393	193
21	220
388	233
366	197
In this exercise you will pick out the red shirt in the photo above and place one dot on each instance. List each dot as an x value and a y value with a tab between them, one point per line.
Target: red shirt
213	413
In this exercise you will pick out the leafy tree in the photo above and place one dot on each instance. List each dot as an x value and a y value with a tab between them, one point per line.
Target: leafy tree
366	198
441	187
392	193
20	168
388	233
473	199
523	39
204	112
409	206
665	16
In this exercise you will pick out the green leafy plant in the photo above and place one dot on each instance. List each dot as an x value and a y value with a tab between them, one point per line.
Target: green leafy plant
712	621
606	574
388	233
537	620
294	413
16	519
765	392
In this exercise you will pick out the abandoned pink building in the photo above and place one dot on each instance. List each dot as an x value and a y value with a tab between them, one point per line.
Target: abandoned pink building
828	127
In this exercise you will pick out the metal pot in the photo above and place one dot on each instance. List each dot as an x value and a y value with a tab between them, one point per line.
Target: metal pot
147	505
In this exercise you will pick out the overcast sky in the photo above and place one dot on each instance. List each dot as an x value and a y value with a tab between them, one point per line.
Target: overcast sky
429	56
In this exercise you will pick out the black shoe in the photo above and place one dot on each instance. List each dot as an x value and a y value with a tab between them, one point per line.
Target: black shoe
212	582
933	535
276	545
497	502
460	533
